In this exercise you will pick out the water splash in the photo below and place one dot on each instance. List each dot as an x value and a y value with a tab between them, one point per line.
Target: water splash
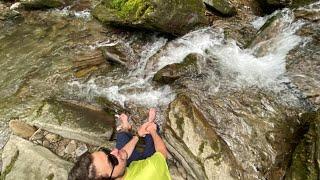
232	67
85	14
134	88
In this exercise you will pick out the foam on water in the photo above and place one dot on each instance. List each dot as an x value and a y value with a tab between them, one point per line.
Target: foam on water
85	14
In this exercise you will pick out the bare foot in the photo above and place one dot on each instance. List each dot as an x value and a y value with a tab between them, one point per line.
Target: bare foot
125	126
152	115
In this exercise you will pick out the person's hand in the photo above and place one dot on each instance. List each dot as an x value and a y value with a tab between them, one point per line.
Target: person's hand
152	127
142	131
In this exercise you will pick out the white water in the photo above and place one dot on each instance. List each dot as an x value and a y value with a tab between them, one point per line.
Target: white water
237	67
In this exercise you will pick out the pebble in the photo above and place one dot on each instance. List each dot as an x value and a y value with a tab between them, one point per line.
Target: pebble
52	138
71	147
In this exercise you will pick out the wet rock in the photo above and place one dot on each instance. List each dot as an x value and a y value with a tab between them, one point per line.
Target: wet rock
86	63
265	37
303	63
173	17
306	157
22	129
25	160
172	72
41	4
222	6
8	13
75	121
119	54
310	12
199	149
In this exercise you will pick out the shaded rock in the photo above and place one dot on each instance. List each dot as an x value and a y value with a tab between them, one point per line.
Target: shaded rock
25	160
41	4
222	6
306	157
199	149
173	17
274	4
119	53
75	121
172	72
22	129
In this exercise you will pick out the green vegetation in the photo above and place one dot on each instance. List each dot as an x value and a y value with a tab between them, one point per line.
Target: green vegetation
132	8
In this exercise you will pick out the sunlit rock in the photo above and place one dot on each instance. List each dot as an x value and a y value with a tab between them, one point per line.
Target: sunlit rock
173	17
75	121
25	160
195	144
22	129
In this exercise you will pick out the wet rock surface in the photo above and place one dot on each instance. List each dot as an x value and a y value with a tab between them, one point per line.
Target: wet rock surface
172	72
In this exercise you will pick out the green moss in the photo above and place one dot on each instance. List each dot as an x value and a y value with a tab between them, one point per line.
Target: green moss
132	8
8	169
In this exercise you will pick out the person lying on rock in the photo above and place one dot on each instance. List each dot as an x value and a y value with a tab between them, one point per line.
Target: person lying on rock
125	162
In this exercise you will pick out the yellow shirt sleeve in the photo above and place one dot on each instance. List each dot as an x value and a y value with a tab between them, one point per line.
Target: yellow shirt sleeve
153	168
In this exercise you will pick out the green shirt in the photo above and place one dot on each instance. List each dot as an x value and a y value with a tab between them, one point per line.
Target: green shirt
153	168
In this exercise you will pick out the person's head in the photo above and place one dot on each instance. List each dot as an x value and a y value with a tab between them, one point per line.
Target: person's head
99	165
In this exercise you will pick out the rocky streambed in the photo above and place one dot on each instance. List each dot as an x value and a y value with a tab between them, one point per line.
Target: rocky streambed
236	84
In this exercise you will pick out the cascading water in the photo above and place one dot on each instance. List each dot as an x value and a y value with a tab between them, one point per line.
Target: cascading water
237	67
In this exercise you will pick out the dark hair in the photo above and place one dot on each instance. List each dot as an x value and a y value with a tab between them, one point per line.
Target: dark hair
83	168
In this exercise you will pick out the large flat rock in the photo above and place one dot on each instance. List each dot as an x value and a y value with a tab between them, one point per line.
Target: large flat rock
74	120
25	160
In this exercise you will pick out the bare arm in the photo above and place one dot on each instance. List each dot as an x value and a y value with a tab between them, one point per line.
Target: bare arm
158	142
129	147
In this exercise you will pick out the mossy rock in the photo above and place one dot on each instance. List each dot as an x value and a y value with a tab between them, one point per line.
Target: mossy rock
174	17
189	135
306	157
172	72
